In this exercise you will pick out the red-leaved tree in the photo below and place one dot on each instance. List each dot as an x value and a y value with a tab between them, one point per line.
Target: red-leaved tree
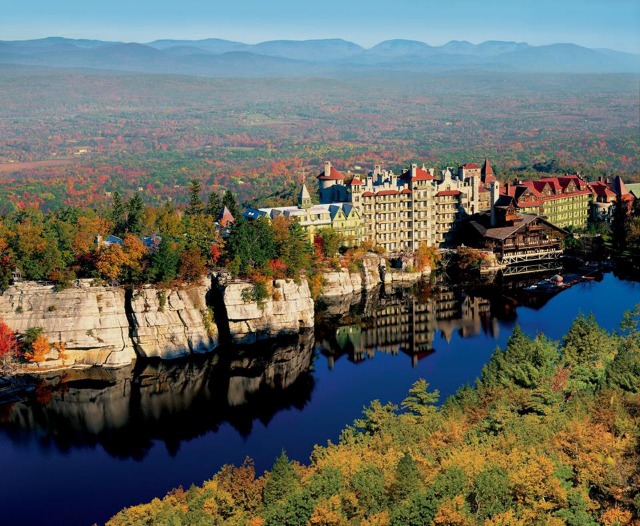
8	347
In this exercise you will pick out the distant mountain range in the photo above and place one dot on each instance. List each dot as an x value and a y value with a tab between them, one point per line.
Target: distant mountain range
215	57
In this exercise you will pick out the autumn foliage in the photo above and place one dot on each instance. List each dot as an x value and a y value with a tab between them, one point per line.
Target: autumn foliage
8	347
543	438
39	350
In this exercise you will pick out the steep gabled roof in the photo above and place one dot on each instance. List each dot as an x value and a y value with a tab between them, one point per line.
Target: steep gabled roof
486	169
619	187
304	193
225	217
502	233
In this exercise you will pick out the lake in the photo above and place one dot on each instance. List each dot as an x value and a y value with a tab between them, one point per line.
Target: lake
87	443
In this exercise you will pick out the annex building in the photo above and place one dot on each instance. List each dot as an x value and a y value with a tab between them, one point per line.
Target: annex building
563	201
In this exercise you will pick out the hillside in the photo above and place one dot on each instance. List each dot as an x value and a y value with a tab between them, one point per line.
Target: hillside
549	435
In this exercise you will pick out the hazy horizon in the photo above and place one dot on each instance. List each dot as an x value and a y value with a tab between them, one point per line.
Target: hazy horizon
589	23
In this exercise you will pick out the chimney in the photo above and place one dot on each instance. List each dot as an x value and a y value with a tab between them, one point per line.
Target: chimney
327	168
414	168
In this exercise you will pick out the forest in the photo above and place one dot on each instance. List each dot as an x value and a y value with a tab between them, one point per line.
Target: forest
104	132
547	435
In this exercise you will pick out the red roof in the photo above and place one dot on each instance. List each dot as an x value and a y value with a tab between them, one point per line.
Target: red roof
356	182
421	175
487	169
443	193
406	191
387	192
368	194
334	175
470	166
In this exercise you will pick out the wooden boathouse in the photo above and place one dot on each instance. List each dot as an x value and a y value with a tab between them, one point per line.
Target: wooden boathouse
516	238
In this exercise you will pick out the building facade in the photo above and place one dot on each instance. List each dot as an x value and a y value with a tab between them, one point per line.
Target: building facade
564	200
400	211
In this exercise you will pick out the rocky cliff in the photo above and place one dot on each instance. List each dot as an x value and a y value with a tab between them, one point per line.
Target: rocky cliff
90	321
287	310
172	323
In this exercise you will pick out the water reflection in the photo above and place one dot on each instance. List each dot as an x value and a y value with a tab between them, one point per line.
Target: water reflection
404	321
125	410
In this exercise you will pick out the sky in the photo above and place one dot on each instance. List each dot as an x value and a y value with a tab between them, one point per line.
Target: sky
613	24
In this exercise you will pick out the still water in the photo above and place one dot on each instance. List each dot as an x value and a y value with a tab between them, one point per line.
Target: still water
84	445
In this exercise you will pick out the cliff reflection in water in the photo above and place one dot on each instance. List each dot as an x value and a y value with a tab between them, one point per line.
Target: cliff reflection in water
125	410
402	321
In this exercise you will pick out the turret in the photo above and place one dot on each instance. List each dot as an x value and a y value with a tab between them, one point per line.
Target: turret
304	198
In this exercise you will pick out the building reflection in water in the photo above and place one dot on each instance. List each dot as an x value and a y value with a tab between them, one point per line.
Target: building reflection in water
405	322
125	410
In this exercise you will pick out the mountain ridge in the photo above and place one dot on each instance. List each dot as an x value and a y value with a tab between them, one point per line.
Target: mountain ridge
215	57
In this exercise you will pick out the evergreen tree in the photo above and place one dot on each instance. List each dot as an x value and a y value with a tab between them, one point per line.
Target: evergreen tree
588	349
164	262
368	483
420	401
195	205
524	363
491	493
296	252
117	215
229	200
281	481
214	205
251	245
619	223
135	210
408	480
624	370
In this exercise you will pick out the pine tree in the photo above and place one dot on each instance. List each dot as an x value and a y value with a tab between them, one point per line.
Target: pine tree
164	263
117	215
214	205
195	204
420	401
408	480
281	481
135	210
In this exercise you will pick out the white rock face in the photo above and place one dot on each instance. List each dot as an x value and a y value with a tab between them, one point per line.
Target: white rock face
90	321
400	277
338	283
371	271
172	323
287	311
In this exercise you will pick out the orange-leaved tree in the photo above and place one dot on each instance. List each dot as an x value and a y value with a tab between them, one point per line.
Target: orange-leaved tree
39	350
